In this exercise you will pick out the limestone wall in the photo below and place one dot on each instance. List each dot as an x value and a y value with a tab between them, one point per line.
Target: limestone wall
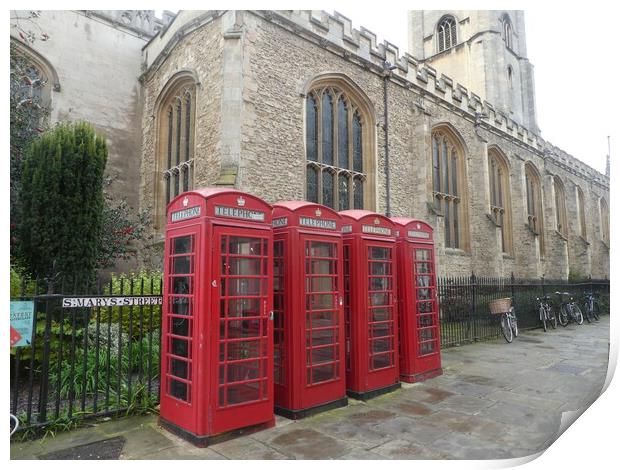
268	59
199	53
97	66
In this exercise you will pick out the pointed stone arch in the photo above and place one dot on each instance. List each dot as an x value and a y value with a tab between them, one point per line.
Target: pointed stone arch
449	184
174	111
533	203
500	195
340	143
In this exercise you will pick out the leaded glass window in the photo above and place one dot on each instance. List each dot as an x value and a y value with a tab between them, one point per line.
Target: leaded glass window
560	206
177	137
507	31
604	220
582	213
446	33
446	192
534	204
335	174
499	191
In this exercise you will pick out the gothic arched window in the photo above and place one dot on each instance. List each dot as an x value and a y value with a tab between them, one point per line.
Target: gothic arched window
507	31
338	149
560	206
581	209
448	187
604	220
176	139
534	202
32	80
446	33
499	188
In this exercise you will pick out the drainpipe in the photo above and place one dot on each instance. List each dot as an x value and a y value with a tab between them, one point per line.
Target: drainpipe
387	73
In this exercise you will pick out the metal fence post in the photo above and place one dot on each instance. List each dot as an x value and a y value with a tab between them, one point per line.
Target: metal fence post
43	390
472	310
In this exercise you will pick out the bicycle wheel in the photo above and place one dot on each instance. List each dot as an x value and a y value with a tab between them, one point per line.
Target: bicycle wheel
543	317
577	314
506	328
596	311
553	319
563	316
513	322
587	312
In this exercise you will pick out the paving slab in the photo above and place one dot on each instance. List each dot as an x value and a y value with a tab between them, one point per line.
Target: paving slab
247	448
494	400
400	449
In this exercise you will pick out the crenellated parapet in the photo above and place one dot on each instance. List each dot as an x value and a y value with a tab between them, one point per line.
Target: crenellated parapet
335	32
141	22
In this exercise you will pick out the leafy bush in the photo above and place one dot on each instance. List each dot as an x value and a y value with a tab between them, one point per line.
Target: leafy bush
21	285
101	373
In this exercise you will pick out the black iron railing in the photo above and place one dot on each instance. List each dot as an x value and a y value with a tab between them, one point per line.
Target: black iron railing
95	349
463	303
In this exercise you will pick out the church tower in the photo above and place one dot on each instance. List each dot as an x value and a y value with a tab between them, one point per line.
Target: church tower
483	50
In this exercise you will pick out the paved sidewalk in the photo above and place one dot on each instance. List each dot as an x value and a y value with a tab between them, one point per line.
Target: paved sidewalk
495	400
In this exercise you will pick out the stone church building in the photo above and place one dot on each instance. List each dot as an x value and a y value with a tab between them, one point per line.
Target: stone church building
300	105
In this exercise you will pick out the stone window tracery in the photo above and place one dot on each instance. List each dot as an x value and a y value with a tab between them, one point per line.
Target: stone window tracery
560	206
604	220
507	31
534	203
446	33
176	140
336	149
581	213
448	183
499	188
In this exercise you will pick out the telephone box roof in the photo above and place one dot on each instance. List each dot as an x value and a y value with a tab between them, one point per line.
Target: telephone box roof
404	221
296	205
359	214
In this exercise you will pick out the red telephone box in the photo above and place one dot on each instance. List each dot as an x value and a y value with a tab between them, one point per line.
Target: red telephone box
217	350
418	312
371	325
308	313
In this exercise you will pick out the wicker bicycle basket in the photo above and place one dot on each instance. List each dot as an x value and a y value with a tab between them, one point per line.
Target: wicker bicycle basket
498	306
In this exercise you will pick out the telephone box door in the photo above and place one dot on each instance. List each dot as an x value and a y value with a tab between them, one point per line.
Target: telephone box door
381	333
322	341
241	286
179	387
427	356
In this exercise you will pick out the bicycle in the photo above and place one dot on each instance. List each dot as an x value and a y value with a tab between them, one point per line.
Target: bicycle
14	423
546	313
591	307
508	317
569	310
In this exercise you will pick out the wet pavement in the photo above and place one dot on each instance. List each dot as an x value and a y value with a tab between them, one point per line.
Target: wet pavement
494	401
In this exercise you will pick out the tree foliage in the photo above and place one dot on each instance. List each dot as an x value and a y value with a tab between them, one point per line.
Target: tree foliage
28	119
125	232
62	202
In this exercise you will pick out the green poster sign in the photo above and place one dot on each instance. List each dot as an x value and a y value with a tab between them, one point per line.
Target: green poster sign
22	316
